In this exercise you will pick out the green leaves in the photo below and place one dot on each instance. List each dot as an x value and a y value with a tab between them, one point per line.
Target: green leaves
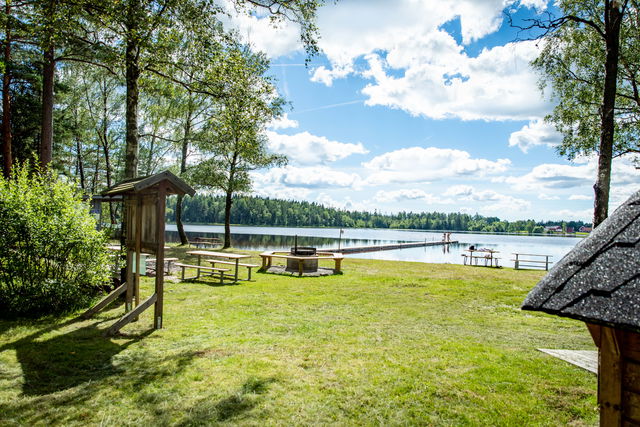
52	259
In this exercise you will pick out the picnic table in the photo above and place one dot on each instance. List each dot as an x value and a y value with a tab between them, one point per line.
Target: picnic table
226	255
486	255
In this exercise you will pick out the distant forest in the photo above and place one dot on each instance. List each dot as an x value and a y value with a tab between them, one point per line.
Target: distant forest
287	213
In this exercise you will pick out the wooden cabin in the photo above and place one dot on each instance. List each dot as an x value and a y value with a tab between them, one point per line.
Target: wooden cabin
598	282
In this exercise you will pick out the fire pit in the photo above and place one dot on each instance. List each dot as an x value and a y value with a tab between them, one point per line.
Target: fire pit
308	265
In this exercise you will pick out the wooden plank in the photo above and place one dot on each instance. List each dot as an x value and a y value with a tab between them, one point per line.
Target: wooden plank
105	301
610	379
594	330
631	376
585	359
631	348
133	314
160	220
631	406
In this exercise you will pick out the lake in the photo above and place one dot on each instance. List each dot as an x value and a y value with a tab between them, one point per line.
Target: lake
282	238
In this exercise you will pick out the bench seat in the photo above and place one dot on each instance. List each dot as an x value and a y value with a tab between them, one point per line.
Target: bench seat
240	264
201	267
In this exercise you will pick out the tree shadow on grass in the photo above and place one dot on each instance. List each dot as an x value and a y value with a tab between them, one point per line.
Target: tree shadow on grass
230	407
67	360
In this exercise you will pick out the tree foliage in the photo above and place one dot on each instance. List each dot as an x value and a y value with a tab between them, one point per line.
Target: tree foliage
248	210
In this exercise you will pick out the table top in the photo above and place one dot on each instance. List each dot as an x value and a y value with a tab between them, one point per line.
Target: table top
490	251
219	254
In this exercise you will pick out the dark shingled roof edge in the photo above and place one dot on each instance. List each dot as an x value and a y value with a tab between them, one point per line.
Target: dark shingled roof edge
599	280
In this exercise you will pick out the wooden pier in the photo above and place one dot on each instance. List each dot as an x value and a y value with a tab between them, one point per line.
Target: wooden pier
375	248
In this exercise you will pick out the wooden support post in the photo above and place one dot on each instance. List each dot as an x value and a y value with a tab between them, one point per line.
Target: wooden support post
105	301
160	213
128	304
517	263
127	318
609	379
138	237
546	264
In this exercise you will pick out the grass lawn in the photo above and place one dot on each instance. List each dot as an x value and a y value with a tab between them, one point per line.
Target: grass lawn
385	343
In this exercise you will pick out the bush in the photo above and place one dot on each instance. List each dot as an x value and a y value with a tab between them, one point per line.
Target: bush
52	258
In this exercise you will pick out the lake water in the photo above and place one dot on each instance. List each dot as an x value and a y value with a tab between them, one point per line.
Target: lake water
282	238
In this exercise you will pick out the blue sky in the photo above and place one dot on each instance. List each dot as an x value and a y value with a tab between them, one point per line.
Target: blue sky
421	106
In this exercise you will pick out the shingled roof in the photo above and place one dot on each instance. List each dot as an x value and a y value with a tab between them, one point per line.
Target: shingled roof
135	185
599	280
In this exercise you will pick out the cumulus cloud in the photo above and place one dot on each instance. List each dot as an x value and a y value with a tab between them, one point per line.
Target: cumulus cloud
554	177
537	132
406	195
495	202
283	122
438	78
585	215
580	197
417	164
305	148
310	177
345	204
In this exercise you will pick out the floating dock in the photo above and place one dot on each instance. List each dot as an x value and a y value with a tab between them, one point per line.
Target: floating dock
375	248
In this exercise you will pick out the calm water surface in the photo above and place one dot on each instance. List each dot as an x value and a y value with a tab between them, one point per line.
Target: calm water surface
282	238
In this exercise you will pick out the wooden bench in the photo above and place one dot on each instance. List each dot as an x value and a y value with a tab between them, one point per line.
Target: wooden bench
201	267
536	263
217	261
267	258
167	262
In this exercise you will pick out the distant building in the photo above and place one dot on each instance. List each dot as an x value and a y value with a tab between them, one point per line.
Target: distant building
553	229
584	229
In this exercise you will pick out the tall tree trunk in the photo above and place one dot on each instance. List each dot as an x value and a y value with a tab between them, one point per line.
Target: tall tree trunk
183	169
613	20
105	142
7	155
80	162
227	219
46	137
132	75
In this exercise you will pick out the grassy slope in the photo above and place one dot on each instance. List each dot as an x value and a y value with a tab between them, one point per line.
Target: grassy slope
385	343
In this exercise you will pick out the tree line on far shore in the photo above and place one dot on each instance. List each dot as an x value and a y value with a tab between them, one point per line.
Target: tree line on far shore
209	209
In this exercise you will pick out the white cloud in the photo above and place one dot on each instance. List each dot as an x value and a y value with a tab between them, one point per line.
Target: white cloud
537	132
275	38
554	177
283	122
438	79
495	202
346	203
310	177
417	164
585	215
308	149
546	196
498	84
580	197
408	194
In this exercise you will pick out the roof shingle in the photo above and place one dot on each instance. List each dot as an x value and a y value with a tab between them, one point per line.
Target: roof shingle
599	280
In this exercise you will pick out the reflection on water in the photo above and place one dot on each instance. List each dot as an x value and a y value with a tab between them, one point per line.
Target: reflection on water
259	242
283	238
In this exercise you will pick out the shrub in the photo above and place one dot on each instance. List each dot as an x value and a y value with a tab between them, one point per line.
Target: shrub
52	258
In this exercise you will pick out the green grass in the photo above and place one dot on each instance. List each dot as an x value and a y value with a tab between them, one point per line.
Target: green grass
384	343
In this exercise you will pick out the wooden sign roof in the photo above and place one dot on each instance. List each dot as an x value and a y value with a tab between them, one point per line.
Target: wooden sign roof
599	280
138	185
